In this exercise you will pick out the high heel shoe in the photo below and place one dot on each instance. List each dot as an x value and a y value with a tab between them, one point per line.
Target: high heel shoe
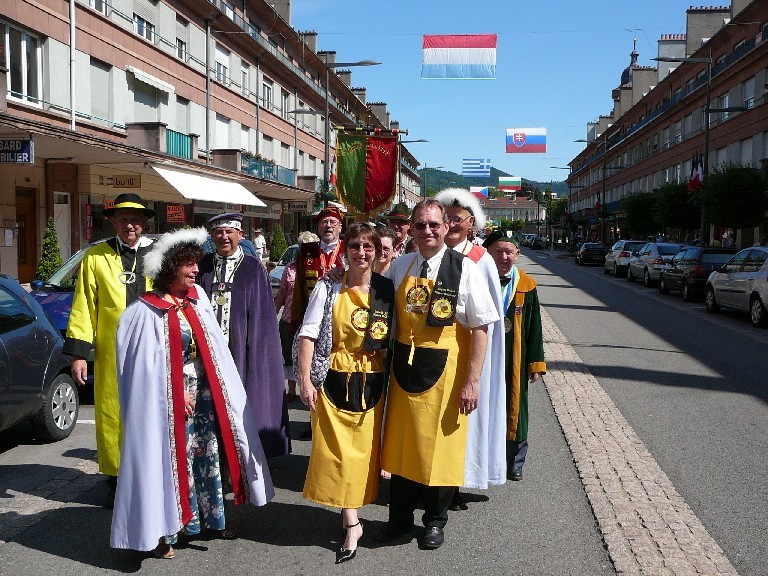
343	555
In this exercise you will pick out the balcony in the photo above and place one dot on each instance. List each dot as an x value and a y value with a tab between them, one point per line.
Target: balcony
178	144
267	170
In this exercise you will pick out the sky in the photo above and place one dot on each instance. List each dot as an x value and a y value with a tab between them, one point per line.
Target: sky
556	64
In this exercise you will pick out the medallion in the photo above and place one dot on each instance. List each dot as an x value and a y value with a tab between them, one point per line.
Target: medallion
221	299
360	319
416	299
127	277
442	309
507	325
378	330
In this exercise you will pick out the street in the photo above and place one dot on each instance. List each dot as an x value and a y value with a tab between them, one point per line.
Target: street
688	384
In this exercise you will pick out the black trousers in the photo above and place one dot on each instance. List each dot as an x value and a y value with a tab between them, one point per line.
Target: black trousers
404	495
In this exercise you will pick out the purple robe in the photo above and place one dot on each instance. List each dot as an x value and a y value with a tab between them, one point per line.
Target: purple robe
254	340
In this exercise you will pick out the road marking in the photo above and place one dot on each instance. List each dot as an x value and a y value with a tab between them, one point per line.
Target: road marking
86	421
646	525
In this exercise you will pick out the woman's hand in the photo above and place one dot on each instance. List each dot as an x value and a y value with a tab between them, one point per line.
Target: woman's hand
189	403
308	395
307	391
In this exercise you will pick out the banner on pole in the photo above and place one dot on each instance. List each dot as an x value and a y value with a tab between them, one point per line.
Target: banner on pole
367	170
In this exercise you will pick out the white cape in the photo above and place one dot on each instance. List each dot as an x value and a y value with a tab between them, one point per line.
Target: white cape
146	503
485	462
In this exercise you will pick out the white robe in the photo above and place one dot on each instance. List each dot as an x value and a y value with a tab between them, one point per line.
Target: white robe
146	503
485	462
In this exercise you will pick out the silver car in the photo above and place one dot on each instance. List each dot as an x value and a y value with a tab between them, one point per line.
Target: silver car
617	258
277	272
741	284
649	261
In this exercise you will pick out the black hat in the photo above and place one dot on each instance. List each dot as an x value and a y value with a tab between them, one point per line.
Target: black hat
129	200
399	212
500	236
228	220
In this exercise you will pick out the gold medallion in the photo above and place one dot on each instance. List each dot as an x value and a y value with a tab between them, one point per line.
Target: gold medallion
221	300
507	325
360	319
442	309
417	296
379	330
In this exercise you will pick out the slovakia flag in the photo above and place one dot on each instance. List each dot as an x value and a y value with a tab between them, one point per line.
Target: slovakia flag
521	140
459	56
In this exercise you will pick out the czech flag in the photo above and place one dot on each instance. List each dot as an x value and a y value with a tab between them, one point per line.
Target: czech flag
479	191
530	140
458	57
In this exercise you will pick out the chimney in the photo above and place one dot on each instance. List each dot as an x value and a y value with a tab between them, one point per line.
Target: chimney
379	110
310	39
360	93
327	56
394	125
345	76
283	8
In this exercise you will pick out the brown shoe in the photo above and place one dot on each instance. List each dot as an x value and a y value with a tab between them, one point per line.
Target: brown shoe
163	551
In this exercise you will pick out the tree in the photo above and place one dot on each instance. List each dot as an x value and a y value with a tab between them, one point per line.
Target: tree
639	213
675	207
50	259
558	210
735	196
278	245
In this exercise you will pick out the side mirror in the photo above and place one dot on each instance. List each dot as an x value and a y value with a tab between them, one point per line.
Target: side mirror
36	284
271	265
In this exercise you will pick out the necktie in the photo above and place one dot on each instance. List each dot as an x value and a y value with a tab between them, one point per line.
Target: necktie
223	270
504	280
424	270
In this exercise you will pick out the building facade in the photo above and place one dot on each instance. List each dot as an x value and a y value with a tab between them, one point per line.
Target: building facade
657	126
198	105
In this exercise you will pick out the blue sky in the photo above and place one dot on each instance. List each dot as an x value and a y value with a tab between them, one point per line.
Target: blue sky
556	64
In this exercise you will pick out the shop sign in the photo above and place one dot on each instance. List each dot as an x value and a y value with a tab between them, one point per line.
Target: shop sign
126	181
295	206
175	213
108	204
276	209
21	151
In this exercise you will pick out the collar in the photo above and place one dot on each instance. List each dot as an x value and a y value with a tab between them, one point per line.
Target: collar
235	257
157	300
464	247
140	243
328	247
433	263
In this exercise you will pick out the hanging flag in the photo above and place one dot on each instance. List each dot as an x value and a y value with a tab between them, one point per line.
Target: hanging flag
464	56
479	191
598	206
696	177
332	171
367	170
476	168
531	140
510	183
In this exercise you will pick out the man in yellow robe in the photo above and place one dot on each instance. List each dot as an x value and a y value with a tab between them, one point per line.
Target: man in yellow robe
110	278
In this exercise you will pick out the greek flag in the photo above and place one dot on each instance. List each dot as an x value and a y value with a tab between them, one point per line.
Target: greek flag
476	168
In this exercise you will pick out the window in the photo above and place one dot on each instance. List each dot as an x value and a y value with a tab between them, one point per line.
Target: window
143	28
266	94
24	63
100	89
245	138
755	261
182	115
181	49
286	103
749	92
98	5
222	65
736	263
723	103
229	10
244	80
221	136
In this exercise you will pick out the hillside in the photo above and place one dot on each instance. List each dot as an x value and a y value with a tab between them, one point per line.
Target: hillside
439	179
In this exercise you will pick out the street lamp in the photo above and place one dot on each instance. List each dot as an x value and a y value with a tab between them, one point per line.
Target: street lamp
399	170
328	66
425	176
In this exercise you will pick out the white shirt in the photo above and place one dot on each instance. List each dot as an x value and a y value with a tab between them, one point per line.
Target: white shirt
474	306
315	308
140	243
328	248
259	242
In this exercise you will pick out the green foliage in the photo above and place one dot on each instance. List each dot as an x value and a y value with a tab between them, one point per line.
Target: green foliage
735	196
675	207
440	179
557	210
639	211
279	244
50	259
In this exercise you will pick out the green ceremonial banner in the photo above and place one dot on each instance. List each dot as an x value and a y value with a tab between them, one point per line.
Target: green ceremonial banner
367	170
351	150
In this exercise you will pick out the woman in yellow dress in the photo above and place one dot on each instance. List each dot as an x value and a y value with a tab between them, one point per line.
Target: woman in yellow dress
347	408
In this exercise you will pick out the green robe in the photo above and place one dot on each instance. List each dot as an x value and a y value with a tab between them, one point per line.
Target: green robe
523	353
100	298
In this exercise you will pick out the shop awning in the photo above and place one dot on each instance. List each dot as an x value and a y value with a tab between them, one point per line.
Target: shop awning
198	187
149	79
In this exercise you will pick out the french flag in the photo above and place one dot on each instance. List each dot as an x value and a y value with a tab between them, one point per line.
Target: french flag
459	56
530	140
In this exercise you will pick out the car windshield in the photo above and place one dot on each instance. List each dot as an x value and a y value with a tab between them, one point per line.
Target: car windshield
716	257
632	246
66	276
288	256
668	249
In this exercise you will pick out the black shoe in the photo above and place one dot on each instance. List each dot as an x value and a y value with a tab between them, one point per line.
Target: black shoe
457	503
345	555
516	474
433	538
392	532
109	501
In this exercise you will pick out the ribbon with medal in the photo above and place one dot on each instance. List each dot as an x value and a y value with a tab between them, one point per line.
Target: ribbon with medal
508	297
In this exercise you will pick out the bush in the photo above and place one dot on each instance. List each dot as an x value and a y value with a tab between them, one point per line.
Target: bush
50	259
279	245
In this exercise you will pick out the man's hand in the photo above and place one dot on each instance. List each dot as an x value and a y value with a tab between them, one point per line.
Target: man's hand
79	370
470	393
335	274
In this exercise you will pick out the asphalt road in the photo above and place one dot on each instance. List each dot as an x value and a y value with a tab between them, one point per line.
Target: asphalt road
693	386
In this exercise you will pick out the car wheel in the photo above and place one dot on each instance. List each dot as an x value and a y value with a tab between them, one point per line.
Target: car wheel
662	285
647	282
710	302
687	296
605	269
58	415
576	260
757	312
630	276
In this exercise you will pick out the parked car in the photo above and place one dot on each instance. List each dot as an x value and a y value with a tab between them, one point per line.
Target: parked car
741	284
277	272
539	242
648	262
525	239
689	269
617	258
34	373
590	253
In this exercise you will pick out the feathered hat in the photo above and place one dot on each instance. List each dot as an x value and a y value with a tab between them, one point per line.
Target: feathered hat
463	199
169	244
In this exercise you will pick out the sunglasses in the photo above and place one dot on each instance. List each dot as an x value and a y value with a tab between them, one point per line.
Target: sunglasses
458	219
364	247
421	226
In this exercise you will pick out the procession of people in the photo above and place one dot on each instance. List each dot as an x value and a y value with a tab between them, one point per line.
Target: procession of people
411	345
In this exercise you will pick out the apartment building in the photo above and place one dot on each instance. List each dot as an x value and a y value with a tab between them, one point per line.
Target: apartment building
657	125
198	105
513	208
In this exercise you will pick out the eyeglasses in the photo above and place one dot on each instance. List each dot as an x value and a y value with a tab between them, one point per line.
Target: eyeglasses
364	247
458	219
421	226
329	222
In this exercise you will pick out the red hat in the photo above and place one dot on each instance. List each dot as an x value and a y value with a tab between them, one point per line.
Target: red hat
328	211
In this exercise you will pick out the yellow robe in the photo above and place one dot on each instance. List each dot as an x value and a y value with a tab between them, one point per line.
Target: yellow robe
344	462
99	300
426	435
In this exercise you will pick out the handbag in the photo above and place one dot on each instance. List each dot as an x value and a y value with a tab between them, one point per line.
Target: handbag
321	357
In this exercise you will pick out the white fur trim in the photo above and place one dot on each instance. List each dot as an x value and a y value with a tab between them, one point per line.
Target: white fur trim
465	199
308	236
153	260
